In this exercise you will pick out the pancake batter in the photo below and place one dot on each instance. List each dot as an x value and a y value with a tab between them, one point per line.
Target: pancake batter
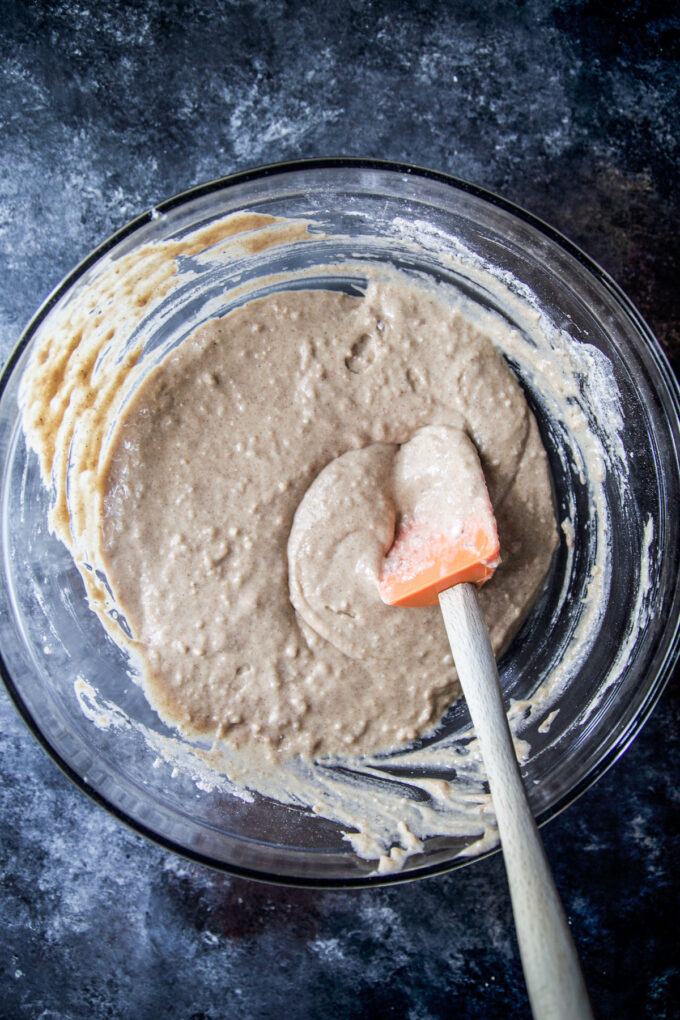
247	507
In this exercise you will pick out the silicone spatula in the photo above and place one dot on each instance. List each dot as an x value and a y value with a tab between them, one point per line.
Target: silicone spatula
442	556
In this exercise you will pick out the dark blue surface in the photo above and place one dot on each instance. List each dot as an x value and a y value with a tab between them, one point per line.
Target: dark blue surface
570	109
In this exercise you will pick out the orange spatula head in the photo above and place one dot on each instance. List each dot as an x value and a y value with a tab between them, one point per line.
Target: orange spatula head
422	562
448	532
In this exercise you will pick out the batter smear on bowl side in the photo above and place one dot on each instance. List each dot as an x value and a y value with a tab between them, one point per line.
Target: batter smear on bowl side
249	499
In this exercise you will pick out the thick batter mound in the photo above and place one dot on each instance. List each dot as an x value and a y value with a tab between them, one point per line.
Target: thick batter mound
247	508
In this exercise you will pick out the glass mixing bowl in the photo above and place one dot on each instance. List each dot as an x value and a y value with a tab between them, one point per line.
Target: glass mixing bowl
49	637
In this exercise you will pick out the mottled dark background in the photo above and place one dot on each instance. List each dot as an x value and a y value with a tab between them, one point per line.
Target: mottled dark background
569	108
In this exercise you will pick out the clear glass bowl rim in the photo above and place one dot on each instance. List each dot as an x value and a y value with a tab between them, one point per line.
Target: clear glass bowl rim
671	405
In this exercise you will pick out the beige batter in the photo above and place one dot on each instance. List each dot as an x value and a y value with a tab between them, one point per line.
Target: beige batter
249	501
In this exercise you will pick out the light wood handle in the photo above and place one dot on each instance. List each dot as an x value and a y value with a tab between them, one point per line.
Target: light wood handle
552	971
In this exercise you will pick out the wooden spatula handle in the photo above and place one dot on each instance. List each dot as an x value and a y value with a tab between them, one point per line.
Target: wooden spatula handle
553	975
